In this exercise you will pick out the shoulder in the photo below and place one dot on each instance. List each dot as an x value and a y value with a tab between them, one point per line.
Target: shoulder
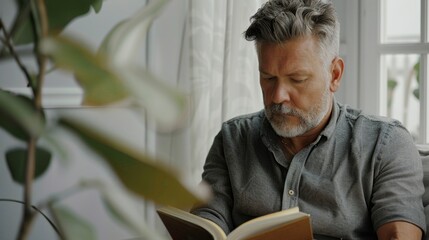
242	128
375	134
357	115
247	121
368	124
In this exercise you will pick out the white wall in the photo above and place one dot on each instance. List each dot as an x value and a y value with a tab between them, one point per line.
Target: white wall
348	13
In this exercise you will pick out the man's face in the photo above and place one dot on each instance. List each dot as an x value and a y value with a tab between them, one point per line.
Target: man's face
295	85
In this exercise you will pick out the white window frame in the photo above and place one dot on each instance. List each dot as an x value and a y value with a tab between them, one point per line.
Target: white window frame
371	94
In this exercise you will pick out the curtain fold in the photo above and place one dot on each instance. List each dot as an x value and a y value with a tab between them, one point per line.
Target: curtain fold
219	71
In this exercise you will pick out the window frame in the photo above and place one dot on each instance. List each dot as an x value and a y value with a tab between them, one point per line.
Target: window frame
371	93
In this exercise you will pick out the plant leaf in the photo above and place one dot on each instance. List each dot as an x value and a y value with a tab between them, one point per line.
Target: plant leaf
416	69
123	40
73	226
96	5
24	33
163	103
416	93
391	83
16	162
121	210
60	14
101	85
139	173
19	117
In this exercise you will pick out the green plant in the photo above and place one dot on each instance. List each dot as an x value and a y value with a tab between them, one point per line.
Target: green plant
110	76
416	69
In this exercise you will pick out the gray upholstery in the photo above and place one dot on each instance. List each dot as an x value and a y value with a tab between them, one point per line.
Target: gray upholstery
424	153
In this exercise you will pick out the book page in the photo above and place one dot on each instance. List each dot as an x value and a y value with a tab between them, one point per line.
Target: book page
263	223
298	229
184	225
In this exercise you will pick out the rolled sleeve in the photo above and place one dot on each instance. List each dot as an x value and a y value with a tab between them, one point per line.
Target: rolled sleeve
398	180
216	175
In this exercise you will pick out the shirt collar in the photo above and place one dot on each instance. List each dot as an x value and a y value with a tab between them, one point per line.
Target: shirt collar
329	129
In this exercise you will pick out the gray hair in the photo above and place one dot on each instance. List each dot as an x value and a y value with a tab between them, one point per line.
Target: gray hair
278	21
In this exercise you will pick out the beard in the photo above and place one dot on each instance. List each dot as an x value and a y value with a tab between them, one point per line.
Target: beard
279	117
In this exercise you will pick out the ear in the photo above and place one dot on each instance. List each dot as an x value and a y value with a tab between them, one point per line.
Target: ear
337	69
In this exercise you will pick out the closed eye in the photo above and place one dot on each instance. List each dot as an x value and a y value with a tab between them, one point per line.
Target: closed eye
268	77
299	80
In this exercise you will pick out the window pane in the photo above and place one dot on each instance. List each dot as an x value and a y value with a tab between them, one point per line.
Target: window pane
403	104
400	21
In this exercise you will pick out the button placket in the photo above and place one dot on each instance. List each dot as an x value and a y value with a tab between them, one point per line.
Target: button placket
290	196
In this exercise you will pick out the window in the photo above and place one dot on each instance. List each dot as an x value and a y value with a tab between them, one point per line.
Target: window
394	62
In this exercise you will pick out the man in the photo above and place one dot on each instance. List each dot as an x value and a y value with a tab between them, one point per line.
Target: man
358	176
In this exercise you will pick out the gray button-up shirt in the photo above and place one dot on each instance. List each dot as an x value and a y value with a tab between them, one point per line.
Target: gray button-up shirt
361	172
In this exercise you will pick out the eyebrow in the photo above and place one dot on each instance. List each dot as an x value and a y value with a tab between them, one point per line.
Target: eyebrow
294	73
264	73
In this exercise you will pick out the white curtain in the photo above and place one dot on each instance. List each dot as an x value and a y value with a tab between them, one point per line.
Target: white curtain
219	70
215	66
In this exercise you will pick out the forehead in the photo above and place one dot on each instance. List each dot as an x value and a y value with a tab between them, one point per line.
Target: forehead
298	53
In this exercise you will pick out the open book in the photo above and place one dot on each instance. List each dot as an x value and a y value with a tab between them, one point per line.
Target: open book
288	224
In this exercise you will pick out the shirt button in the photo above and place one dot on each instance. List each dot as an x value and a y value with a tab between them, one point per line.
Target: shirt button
291	192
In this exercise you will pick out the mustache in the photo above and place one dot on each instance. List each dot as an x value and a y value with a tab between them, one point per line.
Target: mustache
282	109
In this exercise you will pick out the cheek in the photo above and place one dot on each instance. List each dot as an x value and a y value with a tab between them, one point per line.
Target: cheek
317	95
306	97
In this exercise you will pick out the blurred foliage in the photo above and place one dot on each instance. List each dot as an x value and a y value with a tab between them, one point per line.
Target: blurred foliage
19	116
16	159
109	76
72	225
60	14
416	69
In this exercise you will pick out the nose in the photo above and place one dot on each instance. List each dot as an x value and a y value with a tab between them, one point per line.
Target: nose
281	92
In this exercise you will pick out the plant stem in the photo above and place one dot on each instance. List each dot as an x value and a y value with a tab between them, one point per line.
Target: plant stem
42	59
12	51
38	210
23	14
28	215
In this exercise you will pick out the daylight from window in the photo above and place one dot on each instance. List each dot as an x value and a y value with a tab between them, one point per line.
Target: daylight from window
401	71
